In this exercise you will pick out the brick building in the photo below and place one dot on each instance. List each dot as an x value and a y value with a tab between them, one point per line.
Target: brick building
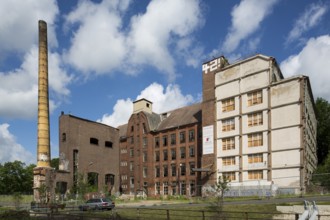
88	150
159	152
253	126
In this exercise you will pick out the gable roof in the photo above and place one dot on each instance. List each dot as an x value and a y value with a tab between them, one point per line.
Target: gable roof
180	117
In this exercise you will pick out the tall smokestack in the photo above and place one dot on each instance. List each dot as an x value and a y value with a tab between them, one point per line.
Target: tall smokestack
43	145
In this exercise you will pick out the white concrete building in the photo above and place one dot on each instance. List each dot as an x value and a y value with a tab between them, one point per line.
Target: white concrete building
264	125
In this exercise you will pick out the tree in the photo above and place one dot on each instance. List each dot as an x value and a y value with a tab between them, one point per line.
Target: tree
16	177
221	187
323	129
55	163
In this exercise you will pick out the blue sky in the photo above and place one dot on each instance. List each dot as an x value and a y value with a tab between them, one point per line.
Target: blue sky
105	54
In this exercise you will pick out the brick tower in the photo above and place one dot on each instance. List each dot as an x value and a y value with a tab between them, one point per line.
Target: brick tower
43	173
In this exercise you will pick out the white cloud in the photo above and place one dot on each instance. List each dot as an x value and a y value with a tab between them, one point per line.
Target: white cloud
309	19
10	150
163	100
19	87
19	24
102	44
98	45
153	32
121	113
246	19
312	61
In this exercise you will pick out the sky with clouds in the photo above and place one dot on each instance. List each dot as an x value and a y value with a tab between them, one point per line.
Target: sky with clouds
105	54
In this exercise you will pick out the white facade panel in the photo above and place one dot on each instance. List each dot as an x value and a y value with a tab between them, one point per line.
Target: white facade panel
249	182
283	93
286	138
287	158
254	65
286	177
226	153
227	90
227	75
258	149
253	166
221	114
254	81
248	129
222	134
261	106
286	116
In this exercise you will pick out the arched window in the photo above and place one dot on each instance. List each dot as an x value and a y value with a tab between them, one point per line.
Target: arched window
109	179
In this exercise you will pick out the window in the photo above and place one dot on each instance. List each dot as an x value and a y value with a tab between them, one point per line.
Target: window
228	105
157	171
183	188
144	128
94	141
255	119
255	140
191	151
165	140
182	137
173	139
132	140
131	180
157	156
173	167
255	175
92	178
192	187
63	137
165	157
109	179
165	169
156	142
191	135
145	172
182	152
255	158
132	128
228	124
145	156
183	169
131	152
165	188
173	186
145	142
108	144
131	166
158	188
254	98
228	143
192	166
173	154
228	161
229	176
123	163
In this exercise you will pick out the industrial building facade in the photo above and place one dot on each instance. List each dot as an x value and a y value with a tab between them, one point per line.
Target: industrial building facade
264	125
253	126
159	152
88	153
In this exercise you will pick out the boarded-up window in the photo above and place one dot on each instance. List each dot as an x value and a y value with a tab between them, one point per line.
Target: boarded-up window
255	140
228	105
254	98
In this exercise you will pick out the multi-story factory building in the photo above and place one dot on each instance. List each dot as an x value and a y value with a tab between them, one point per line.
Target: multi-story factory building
159	152
264	125
253	126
